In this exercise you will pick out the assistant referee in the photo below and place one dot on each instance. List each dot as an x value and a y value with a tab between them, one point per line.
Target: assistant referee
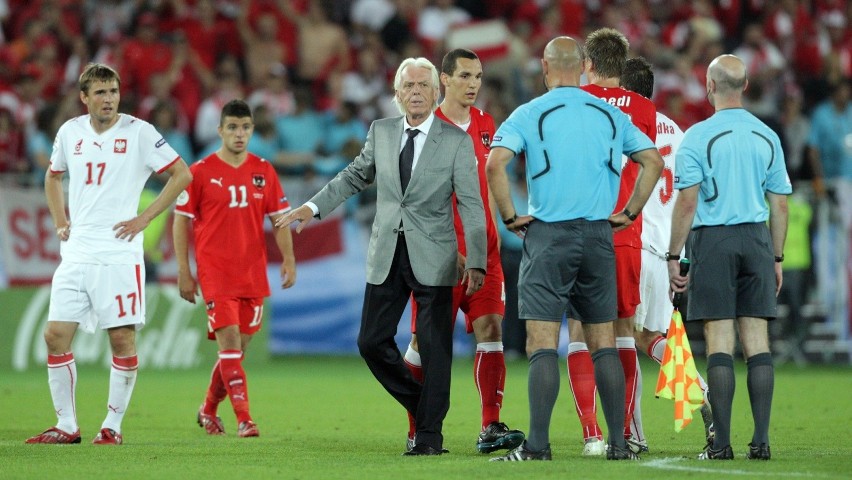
728	168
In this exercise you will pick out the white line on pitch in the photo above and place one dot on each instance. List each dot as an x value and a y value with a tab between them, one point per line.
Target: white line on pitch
669	464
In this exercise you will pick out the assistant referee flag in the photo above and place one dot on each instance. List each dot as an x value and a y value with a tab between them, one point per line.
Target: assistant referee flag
678	379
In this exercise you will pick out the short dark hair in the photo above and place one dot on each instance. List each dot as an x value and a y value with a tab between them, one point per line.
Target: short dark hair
235	108
638	77
607	49
448	64
97	72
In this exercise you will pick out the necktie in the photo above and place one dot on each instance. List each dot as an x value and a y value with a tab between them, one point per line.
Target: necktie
406	158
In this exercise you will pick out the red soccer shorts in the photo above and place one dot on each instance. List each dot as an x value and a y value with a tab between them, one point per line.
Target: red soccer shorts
245	312
628	266
488	300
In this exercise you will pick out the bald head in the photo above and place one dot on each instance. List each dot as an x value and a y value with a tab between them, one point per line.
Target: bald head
562	63
563	53
729	74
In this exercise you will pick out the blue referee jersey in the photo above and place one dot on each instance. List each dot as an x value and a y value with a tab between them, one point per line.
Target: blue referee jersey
573	143
736	159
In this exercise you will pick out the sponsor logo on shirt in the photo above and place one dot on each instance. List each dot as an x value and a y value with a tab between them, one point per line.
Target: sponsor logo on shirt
258	180
78	149
120	145
99	145
497	138
160	143
217	181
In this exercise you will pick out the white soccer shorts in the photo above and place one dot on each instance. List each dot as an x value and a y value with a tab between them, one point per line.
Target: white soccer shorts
654	312
104	296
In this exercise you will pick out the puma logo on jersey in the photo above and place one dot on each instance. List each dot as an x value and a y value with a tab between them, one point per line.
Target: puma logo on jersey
217	181
120	145
99	145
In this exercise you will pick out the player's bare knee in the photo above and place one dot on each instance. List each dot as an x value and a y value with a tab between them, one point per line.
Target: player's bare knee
122	340
57	340
488	329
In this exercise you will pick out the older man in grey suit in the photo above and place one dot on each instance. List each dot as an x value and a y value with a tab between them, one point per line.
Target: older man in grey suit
417	162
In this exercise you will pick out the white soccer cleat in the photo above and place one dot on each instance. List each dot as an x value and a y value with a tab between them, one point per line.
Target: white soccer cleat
594	447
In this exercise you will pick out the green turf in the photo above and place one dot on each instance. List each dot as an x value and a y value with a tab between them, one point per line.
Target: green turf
328	418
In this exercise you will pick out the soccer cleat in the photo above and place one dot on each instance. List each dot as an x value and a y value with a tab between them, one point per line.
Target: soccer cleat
108	436
521	454
618	453
55	435
635	445
211	423
724	453
424	450
248	429
497	436
758	452
594	447
409	444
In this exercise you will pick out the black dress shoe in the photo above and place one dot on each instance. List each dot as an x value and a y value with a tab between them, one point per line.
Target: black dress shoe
423	449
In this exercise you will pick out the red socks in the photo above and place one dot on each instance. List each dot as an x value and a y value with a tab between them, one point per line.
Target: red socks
581	375
489	373
234	379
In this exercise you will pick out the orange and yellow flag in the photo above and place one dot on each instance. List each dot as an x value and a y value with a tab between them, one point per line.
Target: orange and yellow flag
678	378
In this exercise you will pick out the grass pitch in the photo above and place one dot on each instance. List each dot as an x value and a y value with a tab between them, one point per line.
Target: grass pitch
326	417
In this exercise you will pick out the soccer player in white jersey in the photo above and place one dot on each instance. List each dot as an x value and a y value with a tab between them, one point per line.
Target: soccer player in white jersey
100	282
654	312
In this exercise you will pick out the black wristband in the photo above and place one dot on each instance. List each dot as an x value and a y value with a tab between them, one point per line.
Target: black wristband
509	221
631	216
671	256
779	259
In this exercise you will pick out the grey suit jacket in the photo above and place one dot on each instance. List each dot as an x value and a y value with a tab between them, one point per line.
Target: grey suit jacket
446	165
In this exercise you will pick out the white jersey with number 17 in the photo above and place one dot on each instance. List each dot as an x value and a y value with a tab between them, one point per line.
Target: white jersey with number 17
107	172
657	214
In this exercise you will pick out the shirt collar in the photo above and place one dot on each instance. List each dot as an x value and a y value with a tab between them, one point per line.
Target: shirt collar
423	127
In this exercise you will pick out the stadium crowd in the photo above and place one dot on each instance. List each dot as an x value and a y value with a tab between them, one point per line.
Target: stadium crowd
317	72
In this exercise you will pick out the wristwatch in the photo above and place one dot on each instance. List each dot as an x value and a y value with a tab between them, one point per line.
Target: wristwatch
779	259
629	214
509	221
672	256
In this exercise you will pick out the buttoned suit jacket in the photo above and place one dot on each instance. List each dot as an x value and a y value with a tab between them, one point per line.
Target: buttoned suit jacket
446	165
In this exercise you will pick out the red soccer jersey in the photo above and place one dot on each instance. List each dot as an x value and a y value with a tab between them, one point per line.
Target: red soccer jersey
228	205
643	114
481	130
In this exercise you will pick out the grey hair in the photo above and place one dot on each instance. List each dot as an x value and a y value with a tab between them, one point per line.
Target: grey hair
416	62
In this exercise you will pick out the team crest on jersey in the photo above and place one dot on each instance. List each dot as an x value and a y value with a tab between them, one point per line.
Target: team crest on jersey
120	145
258	180
486	139
78	149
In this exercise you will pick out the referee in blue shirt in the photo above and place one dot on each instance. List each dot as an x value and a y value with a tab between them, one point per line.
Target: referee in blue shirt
573	143
729	168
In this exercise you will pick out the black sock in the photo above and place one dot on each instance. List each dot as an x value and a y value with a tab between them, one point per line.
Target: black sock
761	383
721	383
543	388
609	377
